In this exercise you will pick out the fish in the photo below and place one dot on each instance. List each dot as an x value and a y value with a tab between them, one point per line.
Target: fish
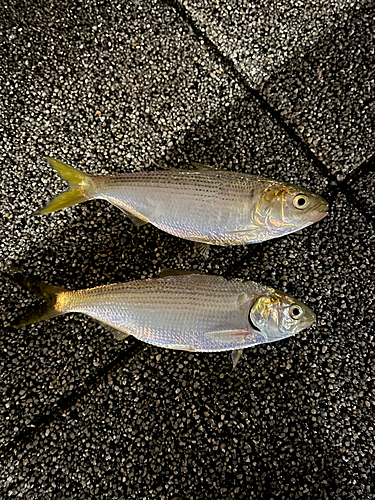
183	311
204	205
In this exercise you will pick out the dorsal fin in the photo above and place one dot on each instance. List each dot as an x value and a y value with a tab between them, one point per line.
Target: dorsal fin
201	166
196	164
175	272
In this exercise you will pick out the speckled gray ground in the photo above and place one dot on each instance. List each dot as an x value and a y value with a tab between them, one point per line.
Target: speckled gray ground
119	88
312	61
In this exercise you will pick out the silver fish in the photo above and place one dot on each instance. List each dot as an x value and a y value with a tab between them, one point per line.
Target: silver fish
190	312
210	206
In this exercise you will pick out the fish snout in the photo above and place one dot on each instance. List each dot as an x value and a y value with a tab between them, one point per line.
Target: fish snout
320	210
323	207
309	319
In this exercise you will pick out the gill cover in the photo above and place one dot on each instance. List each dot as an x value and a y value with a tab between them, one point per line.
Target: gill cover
269	210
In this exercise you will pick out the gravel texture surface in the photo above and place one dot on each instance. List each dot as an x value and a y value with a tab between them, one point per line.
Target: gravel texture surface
124	87
93	244
262	37
362	189
328	94
295	420
313	62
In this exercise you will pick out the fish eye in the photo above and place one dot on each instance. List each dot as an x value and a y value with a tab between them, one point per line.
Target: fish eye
295	311
300	201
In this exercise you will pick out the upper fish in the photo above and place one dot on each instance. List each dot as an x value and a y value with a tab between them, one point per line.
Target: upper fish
217	207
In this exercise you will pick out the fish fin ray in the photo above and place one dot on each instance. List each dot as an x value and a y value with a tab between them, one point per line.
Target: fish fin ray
180	347
227	335
203	249
175	272
251	337
201	166
118	334
64	200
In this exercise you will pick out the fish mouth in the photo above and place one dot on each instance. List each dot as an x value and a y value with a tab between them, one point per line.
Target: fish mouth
323	208
319	211
310	320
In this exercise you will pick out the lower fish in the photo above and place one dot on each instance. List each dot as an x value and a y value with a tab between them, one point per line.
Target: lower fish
216	207
189	312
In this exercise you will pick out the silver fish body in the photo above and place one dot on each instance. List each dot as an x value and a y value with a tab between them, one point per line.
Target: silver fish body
206	206
192	312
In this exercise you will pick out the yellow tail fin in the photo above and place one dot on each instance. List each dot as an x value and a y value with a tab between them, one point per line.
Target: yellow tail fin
45	310
77	183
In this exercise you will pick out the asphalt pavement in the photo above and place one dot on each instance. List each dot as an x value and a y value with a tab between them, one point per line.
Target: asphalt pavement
282	89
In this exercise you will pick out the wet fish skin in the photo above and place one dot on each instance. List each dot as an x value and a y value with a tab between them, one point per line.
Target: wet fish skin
206	205
190	312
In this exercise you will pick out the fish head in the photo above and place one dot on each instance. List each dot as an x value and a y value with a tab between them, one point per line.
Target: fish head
284	208
279	316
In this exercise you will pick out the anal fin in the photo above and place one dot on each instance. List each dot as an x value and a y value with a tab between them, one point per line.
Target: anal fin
118	334
135	220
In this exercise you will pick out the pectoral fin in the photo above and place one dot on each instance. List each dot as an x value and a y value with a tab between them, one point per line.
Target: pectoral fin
246	336
135	220
227	335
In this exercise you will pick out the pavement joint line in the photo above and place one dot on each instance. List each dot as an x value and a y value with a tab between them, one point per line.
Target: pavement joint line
334	186
241	78
367	167
364	169
66	402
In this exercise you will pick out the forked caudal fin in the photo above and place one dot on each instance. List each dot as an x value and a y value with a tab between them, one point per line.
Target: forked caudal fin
77	182
36	313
